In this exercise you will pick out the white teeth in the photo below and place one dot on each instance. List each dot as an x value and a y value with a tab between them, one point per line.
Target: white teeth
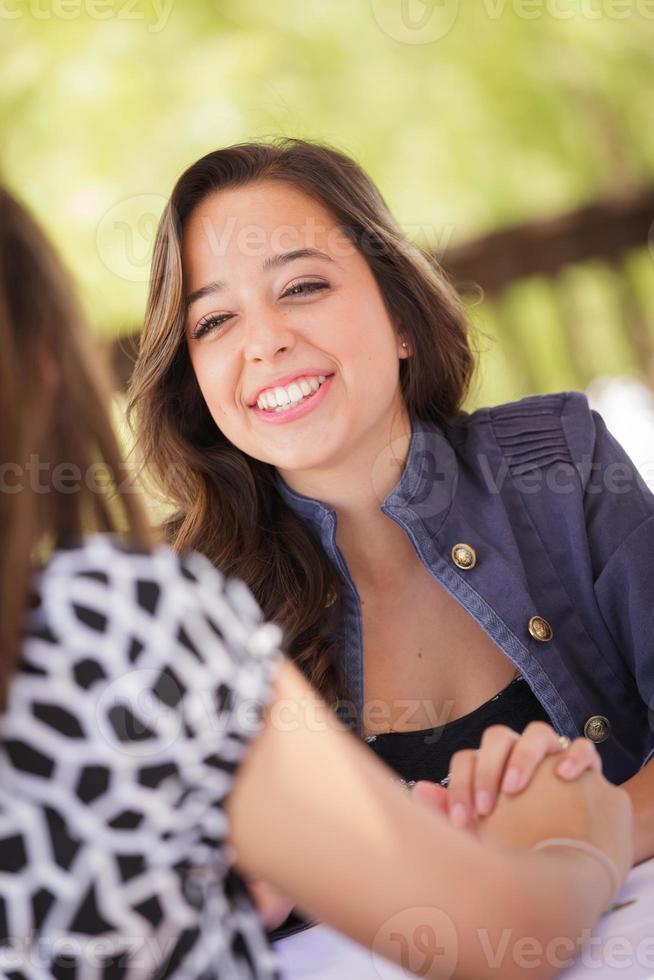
280	399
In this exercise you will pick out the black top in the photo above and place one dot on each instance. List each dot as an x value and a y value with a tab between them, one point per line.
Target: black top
426	754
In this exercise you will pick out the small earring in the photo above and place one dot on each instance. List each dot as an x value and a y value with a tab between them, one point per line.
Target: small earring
405	345
331	597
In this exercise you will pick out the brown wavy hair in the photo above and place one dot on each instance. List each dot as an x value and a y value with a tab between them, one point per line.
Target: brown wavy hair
226	503
53	405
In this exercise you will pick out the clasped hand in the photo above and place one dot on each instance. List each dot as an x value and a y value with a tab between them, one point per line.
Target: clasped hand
504	763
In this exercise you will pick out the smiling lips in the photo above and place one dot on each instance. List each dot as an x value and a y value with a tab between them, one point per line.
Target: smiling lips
318	386
282	398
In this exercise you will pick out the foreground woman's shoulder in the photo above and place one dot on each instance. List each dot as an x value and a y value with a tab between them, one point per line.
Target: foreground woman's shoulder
156	649
133	605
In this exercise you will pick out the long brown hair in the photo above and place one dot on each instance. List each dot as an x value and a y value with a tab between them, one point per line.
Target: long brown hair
227	504
55	428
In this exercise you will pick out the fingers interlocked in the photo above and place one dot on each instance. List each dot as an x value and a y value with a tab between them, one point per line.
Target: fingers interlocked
506	762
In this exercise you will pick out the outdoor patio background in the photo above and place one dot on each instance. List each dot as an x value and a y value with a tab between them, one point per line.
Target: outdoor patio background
472	117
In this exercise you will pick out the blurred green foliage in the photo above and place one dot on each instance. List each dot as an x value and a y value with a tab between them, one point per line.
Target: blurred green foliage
513	110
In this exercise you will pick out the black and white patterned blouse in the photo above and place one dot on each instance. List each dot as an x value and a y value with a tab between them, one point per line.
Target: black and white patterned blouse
141	684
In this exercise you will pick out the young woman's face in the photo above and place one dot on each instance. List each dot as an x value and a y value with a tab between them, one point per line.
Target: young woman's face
260	316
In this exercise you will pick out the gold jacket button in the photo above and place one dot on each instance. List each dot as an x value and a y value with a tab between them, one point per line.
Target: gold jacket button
540	629
597	728
464	556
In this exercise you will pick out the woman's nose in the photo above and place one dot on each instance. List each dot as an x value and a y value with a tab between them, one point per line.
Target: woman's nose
266	332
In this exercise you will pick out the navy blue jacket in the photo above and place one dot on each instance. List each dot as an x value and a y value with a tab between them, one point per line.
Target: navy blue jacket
562	527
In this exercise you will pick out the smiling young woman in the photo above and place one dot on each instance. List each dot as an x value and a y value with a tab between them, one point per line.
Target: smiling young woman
323	308
479	561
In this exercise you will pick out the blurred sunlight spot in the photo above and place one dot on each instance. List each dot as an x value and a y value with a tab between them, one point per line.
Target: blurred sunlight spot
627	407
84	202
86	77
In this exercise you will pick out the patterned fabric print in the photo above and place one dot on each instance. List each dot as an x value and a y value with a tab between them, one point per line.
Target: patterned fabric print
142	682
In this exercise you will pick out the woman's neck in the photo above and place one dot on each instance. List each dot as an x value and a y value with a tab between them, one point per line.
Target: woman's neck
375	548
377	551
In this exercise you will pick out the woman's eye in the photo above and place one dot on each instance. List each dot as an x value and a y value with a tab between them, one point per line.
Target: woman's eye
302	288
211	322
207	324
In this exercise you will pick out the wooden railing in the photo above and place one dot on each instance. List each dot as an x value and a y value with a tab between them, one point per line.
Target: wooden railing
607	232
605	235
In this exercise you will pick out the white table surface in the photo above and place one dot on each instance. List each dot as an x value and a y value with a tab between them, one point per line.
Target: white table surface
622	945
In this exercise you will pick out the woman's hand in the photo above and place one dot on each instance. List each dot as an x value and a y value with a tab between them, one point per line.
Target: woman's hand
505	762
588	808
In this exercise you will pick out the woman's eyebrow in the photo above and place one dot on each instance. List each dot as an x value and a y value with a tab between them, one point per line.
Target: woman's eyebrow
272	262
